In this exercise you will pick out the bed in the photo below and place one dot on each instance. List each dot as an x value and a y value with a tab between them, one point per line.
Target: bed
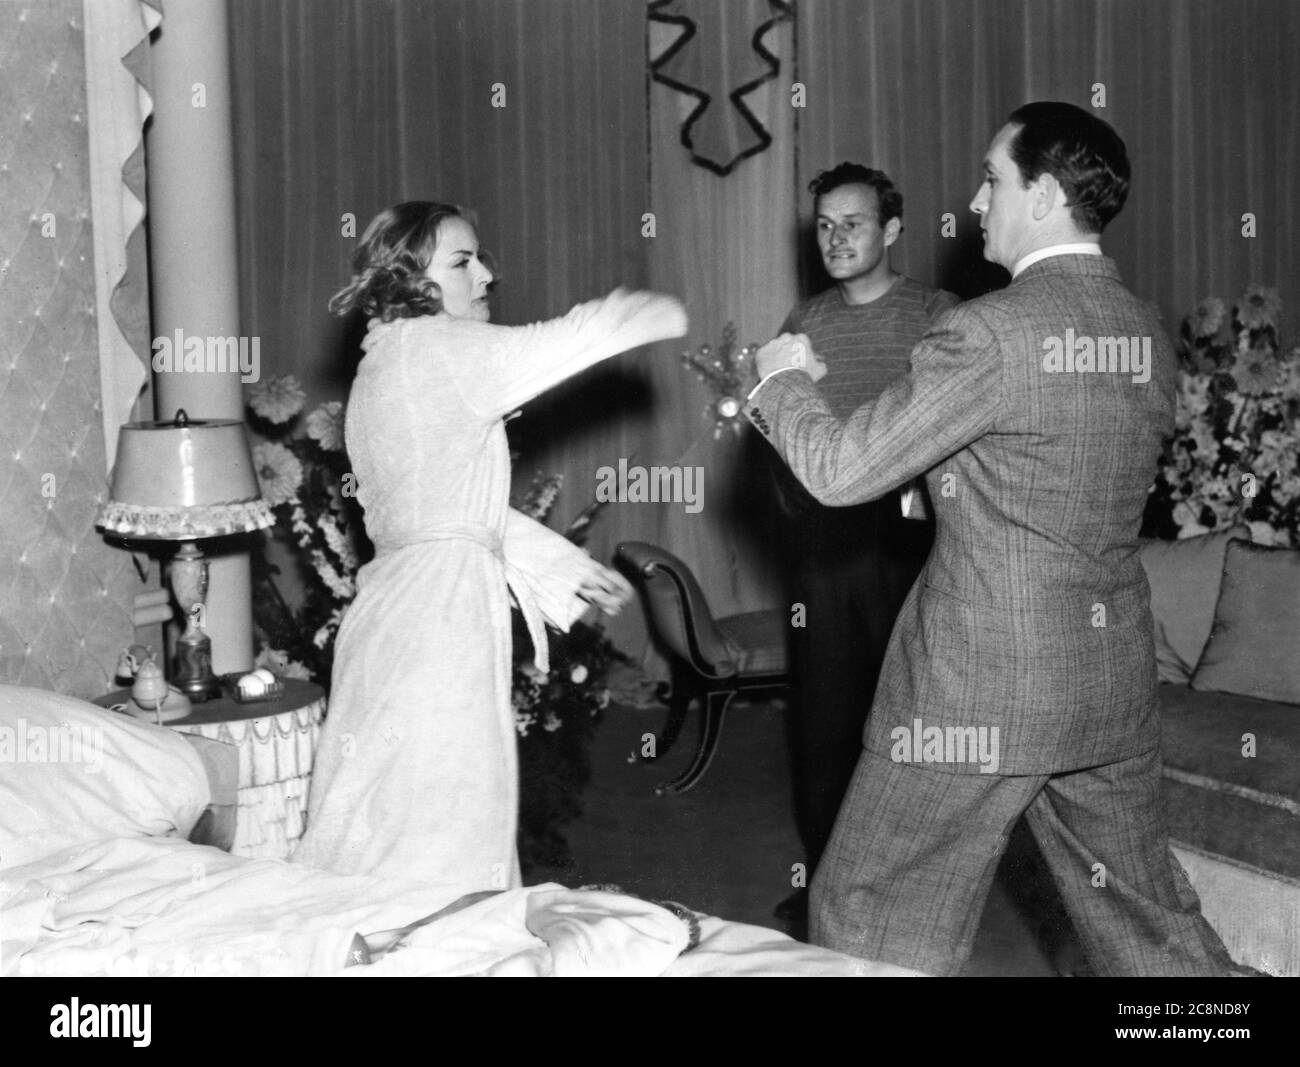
109	866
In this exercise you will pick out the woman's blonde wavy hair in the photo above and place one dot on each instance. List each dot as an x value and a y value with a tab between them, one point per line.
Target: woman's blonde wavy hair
388	266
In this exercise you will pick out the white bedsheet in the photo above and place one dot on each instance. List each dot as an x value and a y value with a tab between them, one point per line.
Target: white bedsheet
165	907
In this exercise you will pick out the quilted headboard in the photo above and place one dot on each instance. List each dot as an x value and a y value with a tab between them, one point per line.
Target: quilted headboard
65	595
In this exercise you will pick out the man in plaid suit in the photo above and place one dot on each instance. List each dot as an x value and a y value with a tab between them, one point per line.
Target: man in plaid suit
1020	678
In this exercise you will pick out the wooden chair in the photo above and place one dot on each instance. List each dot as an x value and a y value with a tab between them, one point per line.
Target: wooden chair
712	659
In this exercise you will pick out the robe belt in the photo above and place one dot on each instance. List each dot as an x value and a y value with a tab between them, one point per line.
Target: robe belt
516	580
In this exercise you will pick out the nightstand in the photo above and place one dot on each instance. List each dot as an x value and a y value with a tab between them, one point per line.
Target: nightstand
277	745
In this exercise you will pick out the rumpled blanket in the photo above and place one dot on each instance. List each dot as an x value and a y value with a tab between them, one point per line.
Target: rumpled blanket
149	906
165	907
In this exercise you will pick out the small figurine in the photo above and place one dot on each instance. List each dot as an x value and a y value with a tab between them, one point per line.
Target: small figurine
152	698
130	660
150	685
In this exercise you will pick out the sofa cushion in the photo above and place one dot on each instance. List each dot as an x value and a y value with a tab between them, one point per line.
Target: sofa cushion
1184	577
1221	800
1254	647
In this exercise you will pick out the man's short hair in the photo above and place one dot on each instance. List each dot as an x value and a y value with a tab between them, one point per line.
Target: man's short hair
887	196
1079	150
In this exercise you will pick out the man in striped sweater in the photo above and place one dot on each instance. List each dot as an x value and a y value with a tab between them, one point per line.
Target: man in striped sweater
850	567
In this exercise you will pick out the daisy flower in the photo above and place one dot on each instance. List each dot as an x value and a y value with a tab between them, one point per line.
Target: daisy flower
279	472
277	400
1207	318
1258	307
325	426
1256	372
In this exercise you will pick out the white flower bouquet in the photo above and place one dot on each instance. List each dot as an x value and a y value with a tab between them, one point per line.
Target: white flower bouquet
1235	453
305	478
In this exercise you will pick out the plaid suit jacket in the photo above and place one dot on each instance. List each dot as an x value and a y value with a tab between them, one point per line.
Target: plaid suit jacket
1032	615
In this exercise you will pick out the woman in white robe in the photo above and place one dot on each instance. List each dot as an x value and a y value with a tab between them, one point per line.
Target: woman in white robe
416	772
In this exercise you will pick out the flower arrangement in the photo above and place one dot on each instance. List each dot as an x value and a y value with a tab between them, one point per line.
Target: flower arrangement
1235	453
306	480
727	371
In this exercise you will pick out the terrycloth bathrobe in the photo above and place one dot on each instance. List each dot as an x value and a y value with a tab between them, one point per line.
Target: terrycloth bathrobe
416	773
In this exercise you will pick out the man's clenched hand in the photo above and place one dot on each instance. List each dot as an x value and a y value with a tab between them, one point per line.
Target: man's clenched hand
789	350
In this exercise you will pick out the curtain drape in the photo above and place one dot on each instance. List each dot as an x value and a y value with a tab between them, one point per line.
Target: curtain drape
344	107
118	105
531	114
727	245
1204	93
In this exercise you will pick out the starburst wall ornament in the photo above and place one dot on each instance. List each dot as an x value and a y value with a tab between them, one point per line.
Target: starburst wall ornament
726	371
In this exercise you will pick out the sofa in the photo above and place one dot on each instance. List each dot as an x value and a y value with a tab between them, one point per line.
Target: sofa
1227	624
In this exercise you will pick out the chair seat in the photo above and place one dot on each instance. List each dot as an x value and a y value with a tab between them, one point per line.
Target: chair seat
713	659
759	639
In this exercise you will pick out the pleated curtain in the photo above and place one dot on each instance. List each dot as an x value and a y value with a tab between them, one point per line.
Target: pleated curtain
344	107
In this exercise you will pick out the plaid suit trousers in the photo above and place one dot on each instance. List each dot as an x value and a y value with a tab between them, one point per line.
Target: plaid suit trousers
910	863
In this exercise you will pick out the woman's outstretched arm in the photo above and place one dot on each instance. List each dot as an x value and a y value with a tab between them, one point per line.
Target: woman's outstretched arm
499	368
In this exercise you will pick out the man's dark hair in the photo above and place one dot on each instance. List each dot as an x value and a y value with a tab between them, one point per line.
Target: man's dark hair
1079	150
888	197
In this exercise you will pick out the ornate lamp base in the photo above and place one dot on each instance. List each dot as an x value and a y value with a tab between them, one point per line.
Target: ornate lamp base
192	673
193	667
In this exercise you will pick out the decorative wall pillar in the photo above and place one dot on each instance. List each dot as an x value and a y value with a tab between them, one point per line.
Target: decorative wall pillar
193	267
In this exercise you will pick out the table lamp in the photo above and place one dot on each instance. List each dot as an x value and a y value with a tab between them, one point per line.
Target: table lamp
185	480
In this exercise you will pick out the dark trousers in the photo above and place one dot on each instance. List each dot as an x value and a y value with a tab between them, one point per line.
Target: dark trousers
851	569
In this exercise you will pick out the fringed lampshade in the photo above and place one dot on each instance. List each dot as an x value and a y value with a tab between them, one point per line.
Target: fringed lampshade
183	481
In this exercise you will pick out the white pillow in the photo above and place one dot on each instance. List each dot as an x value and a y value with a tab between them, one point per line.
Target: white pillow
72	773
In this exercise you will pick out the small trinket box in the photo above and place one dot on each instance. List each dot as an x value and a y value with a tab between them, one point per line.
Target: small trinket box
255	686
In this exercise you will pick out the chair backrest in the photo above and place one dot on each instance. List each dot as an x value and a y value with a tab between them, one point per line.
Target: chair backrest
677	609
